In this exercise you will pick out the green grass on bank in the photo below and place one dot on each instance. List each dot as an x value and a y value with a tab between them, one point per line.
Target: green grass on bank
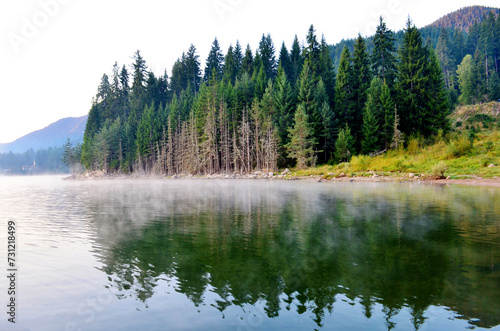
468	150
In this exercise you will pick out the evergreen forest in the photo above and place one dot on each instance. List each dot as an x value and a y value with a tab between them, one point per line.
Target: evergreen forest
280	106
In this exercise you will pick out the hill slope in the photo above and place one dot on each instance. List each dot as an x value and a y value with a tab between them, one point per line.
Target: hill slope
464	18
54	135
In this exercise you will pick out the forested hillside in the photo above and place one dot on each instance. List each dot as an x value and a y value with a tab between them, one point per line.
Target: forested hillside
452	29
259	110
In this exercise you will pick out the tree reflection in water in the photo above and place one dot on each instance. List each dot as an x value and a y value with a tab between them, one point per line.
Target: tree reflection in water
301	246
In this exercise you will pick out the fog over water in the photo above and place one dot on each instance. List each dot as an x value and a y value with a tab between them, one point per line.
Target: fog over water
243	254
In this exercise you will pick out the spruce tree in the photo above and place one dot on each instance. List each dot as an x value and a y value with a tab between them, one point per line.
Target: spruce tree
238	57
297	61
387	108
412	81
145	131
259	80
284	103
284	61
465	72
302	141
267	55
445	56
247	62
312	52
138	91
215	63
307	91
124	103
344	104
193	71
229	71
383	58
362	76
438	100
327	72
370	142
91	129
344	145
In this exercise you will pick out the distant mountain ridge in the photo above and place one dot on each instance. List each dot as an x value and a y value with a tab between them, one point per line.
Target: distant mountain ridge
464	18
54	135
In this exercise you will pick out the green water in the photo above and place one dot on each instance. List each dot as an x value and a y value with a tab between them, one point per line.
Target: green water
257	255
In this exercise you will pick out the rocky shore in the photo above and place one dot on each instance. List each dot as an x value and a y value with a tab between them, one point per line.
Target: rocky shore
289	175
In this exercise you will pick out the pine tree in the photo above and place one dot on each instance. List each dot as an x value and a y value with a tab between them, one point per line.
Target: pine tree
302	141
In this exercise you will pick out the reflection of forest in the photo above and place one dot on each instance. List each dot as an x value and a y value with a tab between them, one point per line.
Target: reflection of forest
298	246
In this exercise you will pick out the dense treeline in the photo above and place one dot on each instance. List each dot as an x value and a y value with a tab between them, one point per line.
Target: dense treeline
260	110
42	161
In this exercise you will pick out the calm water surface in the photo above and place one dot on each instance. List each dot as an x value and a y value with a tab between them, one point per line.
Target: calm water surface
251	255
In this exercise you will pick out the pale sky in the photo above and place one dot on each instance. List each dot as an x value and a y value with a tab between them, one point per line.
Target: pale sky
54	52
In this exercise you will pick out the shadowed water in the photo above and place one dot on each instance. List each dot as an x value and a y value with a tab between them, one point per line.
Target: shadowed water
245	255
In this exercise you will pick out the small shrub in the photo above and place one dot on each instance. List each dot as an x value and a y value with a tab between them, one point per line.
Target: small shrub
458	124
360	163
413	146
489	146
486	161
399	165
460	146
481	118
439	169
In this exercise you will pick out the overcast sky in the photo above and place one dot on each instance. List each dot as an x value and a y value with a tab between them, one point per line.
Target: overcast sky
54	52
